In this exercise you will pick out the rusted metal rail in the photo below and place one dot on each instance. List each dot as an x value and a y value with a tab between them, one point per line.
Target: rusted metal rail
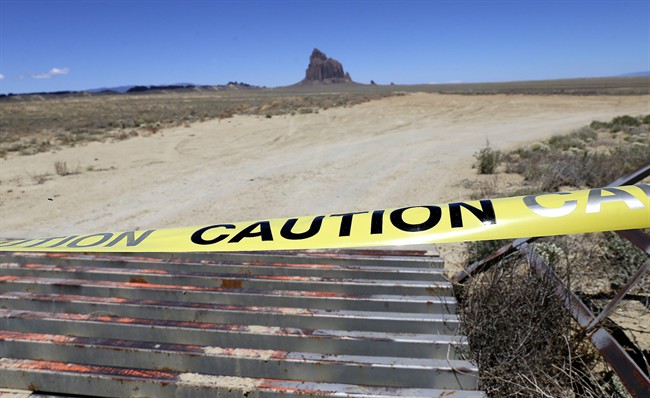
363	323
635	380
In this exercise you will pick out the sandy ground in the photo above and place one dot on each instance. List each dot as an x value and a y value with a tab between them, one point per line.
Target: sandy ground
399	151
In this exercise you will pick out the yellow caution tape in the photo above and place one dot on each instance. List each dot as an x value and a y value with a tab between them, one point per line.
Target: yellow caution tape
593	210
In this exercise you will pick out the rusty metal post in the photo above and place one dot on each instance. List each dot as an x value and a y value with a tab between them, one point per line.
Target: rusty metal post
636	382
613	303
485	263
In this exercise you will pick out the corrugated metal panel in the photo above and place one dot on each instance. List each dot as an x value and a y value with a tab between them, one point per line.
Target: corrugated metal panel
366	323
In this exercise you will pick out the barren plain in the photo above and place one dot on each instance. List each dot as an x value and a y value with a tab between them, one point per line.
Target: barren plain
411	149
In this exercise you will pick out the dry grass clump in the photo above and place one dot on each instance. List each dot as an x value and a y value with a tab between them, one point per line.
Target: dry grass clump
522	338
589	157
524	341
595	267
63	170
31	125
487	160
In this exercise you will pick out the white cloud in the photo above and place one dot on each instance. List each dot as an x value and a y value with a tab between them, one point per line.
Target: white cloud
57	71
2	77
52	72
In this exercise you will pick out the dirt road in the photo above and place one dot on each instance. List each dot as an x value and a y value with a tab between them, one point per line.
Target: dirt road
406	150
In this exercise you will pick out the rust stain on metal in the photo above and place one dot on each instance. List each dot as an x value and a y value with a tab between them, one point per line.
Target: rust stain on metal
303	265
272	385
123	320
232	283
139	302
319	294
87	269
63	367
432	291
286	278
55	255
83	342
148	319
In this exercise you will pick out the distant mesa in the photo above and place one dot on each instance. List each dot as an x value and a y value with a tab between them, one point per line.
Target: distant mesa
189	87
324	70
129	90
636	74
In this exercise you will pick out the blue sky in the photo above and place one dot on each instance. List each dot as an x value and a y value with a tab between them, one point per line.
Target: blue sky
77	45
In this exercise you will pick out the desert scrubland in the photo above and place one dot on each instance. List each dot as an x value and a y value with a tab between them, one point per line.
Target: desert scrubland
409	149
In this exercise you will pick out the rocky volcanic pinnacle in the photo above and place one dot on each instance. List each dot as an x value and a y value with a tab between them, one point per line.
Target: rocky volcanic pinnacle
324	70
